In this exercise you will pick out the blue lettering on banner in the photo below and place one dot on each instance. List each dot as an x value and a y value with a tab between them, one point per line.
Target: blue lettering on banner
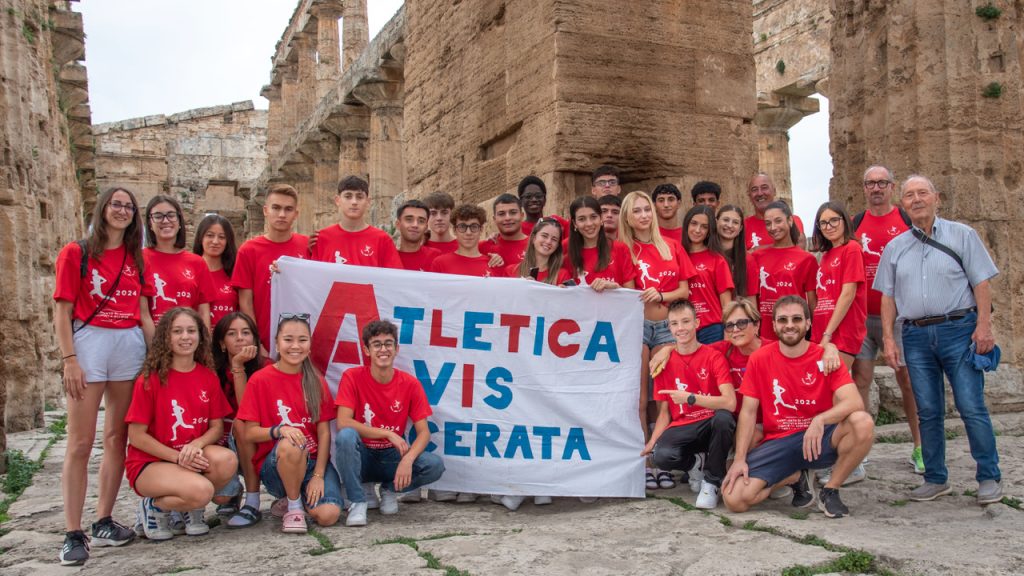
501	400
433	387
602	340
407	317
521	441
471	330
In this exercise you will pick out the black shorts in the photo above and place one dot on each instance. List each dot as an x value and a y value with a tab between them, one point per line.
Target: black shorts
775	460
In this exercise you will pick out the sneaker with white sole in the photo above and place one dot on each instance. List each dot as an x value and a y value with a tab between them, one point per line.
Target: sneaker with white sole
442	495
177	523
279	508
155	523
696	474
510	502
929	491
803	490
106	532
989	492
356	514
917	460
195	522
858	475
370	492
708	497
137	527
541	500
75	550
830	503
780	492
388	502
466	497
413	497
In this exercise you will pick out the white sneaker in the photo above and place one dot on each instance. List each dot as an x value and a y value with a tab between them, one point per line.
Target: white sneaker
370	493
155	524
356	514
858	475
708	497
195	522
388	502
176	521
139	532
413	497
541	500
442	495
588	499
510	502
780	492
466	497
697	474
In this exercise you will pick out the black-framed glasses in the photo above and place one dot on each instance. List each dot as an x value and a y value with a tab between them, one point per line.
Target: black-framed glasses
468	227
738	325
163	216
385	345
609	183
830	223
121	206
876	183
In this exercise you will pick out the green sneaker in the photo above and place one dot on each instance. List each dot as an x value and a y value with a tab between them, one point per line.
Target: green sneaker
917	461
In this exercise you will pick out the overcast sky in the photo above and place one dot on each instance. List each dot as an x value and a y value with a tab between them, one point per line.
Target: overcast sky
160	57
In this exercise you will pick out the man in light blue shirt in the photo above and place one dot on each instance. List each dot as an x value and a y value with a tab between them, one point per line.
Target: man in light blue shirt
945	309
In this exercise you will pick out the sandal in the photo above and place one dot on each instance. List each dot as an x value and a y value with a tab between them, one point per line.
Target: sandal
294	522
652	482
230	508
245	517
665	480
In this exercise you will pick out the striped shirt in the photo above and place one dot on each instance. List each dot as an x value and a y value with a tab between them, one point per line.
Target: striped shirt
925	281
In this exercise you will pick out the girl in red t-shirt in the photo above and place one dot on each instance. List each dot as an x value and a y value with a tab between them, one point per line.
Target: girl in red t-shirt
97	318
215	242
543	258
780	269
178	277
841	313
174	423
730	227
590	257
236	358
711	290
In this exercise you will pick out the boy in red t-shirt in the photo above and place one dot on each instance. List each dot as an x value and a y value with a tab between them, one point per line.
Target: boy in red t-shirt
411	222
810	420
440	206
667	200
353	241
468	221
510	243
696	398
374	403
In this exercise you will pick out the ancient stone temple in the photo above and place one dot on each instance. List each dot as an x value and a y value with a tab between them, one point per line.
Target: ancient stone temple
45	171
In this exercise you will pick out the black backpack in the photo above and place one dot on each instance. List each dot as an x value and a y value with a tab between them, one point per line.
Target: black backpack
860	217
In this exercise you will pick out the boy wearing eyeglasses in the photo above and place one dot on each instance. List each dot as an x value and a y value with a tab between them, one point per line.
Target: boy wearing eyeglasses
468	221
352	240
374	403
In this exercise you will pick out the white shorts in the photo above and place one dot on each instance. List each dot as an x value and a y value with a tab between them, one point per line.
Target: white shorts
110	354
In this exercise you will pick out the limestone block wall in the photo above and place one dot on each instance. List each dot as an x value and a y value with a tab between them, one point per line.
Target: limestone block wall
914	79
497	90
207	158
40	196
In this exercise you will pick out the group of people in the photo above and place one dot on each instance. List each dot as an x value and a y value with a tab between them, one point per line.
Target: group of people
749	344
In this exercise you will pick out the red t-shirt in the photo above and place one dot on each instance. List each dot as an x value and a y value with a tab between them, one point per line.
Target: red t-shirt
620	267
368	247
453	263
528	226
652	271
420	260
673	233
512	271
777	272
252	272
225	299
388	406
841	265
511	251
712	279
756	233
122	310
175	414
180	279
700	373
443	247
791	390
875	233
737	362
229	394
272	398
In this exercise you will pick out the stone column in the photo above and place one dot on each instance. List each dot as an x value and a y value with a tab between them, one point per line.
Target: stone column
387	170
932	88
289	100
774	117
275	116
328	67
304	48
322	148
355	31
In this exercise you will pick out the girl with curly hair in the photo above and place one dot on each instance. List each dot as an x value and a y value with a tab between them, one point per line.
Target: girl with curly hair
174	423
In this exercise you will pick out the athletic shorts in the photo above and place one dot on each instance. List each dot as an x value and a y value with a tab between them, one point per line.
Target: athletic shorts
110	354
872	345
775	460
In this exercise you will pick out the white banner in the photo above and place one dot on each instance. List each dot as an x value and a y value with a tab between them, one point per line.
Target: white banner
534	388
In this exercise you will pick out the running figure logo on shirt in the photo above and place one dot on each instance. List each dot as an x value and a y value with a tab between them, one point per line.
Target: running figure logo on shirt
764	280
644	268
368	415
865	240
817	281
159	283
808	380
203	396
97	283
681	386
366	251
894	231
282	412
777	391
755	240
583	278
128	270
226	289
835	262
701	267
188	274
338	258
790	266
703	374
396	407
178	412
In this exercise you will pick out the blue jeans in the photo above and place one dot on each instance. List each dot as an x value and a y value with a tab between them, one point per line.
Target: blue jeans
930	351
272	481
711	334
357	464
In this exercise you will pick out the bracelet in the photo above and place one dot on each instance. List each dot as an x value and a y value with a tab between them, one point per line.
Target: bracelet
317	475
274	434
69	356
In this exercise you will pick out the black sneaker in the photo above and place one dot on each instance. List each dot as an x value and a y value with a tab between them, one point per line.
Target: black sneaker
76	549
830	504
106	532
803	490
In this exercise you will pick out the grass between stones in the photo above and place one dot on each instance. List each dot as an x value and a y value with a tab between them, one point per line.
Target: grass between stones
21	469
432	561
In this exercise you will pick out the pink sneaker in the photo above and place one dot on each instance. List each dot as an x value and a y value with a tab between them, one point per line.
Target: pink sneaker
279	508
294	522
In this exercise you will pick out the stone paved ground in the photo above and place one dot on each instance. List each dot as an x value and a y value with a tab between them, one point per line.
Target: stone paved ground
659	535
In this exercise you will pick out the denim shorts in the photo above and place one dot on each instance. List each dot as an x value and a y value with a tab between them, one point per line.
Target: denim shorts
775	460
272	481
234	487
711	334
109	354
656	333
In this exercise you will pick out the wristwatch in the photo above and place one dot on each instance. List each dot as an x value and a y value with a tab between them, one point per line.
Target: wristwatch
691	399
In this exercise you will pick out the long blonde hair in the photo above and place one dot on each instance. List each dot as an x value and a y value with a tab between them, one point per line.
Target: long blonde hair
626	235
